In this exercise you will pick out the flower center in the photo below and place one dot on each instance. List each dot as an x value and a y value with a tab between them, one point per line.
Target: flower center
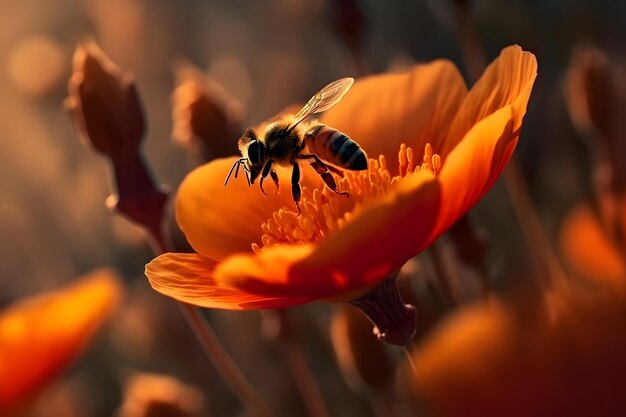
324	211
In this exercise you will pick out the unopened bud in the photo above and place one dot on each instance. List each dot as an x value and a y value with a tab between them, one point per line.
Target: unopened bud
104	103
107	113
589	91
596	97
151	395
205	117
361	357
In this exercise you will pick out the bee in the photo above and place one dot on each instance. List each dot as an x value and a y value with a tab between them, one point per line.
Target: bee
290	139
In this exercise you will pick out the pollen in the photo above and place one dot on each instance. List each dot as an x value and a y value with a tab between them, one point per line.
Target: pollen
324	211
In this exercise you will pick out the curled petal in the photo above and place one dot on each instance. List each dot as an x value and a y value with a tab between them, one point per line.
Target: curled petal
415	107
506	81
188	277
353	258
42	335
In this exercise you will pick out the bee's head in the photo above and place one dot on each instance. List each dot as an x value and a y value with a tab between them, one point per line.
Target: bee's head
256	158
256	153
251	148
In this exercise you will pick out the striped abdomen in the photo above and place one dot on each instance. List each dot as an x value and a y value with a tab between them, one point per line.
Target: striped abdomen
333	146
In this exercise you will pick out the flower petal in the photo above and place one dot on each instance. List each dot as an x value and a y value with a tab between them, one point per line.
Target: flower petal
218	221
379	241
188	277
41	335
473	166
588	250
507	81
414	107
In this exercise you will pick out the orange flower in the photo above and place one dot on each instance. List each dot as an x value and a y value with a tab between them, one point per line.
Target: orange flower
41	335
253	252
559	354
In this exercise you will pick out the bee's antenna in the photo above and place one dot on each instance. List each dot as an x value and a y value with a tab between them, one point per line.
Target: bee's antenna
236	164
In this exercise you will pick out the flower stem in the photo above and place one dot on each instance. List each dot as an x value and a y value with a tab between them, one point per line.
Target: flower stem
530	224
471	248
383	403
223	362
468	38
278	327
305	380
443	277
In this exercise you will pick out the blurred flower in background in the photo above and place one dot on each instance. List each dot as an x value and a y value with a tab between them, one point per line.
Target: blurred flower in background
152	395
556	352
41	335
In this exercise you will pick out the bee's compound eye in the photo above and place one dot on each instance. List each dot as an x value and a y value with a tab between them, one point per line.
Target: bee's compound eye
256	151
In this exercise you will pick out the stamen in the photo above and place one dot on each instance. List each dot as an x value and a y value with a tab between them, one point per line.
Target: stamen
430	161
323	211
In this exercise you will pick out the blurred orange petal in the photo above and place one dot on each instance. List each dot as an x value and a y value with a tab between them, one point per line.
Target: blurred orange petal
563	356
41	335
188	277
380	112
588	249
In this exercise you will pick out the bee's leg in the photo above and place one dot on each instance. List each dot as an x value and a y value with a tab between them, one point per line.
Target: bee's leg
247	172
296	191
336	171
322	169
275	179
266	170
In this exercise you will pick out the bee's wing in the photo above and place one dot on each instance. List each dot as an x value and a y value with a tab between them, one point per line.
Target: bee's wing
324	99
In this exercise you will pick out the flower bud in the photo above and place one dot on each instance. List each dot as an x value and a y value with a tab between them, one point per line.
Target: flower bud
596	98
206	118
104	103
589	91
362	358
151	395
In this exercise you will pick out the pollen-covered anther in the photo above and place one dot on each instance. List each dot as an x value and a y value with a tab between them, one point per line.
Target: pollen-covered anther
323	211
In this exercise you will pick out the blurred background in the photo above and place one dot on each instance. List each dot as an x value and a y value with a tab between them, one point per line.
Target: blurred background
54	225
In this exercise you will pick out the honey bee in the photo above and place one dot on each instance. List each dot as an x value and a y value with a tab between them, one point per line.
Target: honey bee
289	139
